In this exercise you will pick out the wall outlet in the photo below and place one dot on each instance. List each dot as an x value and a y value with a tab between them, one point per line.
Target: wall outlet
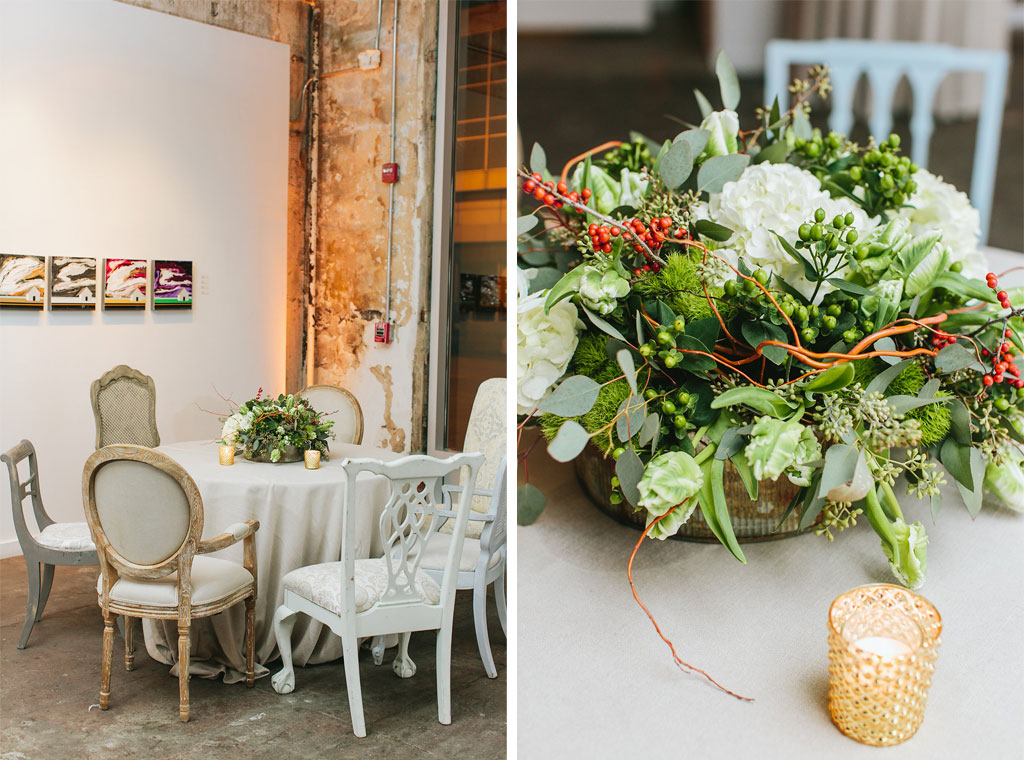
369	60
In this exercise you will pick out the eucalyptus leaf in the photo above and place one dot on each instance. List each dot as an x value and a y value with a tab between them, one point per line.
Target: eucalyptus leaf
629	469
901	404
631	415
526	223
960	421
718	170
732	442
697	138
651	426
712	231
602	325
544	278
728	83
677	164
625	360
840	464
529	503
775	153
973	497
956	458
702	103
564	288
957	357
802	125
538	159
884	378
568	442
574	396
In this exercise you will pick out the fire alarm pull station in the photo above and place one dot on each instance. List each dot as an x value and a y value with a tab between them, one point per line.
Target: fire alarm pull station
389	173
382	332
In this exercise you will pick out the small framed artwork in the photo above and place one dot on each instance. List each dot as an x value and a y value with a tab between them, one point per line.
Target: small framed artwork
73	283
22	281
469	292
124	283
172	284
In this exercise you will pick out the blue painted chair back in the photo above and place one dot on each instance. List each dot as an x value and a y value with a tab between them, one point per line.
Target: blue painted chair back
925	65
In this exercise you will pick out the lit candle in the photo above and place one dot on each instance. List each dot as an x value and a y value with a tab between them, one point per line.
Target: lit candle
312	457
227	455
882	646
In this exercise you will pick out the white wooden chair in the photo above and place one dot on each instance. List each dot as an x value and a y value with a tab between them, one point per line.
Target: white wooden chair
339	405
146	518
56	543
389	594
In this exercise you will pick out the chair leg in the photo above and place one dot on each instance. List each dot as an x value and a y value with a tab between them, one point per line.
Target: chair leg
250	641
108	657
32	605
403	665
129	643
184	651
483	642
444	672
350	646
499	599
284	680
44	589
377	647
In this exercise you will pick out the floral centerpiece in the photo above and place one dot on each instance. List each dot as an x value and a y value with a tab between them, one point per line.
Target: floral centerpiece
277	429
783	300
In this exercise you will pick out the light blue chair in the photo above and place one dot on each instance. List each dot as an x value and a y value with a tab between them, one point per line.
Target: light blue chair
925	66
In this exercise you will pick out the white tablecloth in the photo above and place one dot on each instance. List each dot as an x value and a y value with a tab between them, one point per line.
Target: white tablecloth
595	681
300	514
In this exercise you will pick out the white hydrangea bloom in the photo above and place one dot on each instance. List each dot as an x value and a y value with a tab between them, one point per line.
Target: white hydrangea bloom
544	345
769	198
938	205
229	433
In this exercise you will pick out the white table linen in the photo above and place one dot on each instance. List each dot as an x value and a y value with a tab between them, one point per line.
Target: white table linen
300	513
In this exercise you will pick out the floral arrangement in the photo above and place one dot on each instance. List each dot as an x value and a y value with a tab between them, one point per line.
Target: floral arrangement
785	300
267	427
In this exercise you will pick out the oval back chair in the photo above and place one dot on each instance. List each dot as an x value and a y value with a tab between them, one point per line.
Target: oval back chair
146	518
339	405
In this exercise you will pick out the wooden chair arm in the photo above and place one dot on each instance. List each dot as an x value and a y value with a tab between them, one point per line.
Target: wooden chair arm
235	533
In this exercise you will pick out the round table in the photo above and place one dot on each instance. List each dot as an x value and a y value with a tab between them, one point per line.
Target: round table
300	513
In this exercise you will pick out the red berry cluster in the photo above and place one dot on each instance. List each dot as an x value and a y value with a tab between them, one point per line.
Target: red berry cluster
545	192
601	237
1003	367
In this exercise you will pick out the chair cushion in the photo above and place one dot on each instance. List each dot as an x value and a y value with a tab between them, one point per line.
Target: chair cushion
437	553
67	537
321	584
212	579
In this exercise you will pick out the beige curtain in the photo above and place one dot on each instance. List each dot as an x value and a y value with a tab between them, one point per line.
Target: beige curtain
983	24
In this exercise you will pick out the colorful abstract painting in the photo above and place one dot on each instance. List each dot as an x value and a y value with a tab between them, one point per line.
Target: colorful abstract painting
22	281
72	283
172	284
124	284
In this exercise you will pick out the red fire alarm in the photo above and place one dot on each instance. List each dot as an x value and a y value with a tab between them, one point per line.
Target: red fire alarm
389	173
382	332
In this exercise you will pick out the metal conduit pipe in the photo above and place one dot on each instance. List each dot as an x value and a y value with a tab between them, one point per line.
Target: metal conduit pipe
391	190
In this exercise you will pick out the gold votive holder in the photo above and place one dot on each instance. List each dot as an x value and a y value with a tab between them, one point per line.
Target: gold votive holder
312	457
227	455
882	644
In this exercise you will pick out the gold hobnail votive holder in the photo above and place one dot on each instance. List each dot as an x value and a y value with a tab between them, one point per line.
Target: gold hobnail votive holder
882	644
312	459
227	455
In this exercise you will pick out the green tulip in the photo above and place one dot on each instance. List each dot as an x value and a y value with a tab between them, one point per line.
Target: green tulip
908	558
670	479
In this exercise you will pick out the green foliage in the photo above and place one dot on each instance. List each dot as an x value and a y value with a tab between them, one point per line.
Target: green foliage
549	424
591	358
935	421
934	418
678	284
608	402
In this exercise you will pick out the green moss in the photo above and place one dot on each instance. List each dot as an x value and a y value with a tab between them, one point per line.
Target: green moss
590	355
549	424
678	284
934	418
935	421
603	411
909	382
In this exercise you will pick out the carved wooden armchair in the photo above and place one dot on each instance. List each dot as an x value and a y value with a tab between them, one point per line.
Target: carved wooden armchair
146	518
358	598
124	404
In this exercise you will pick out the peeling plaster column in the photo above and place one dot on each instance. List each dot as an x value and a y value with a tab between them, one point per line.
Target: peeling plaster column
389	381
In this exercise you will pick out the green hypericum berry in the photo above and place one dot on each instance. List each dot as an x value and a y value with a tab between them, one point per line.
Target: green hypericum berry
956	266
848	218
683	397
650	393
646	350
679	324
855	173
862	252
761	276
1002	404
894	140
851	236
615	497
664	338
668	407
850	336
671	360
804	232
615	481
813	310
788	308
832	240
913	167
813	150
730	288
807	334
839	221
618	452
887	182
834	310
749	287
679	421
868	326
801	314
828	322
817	231
819	215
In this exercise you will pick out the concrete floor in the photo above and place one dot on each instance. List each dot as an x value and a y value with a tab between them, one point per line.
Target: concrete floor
46	691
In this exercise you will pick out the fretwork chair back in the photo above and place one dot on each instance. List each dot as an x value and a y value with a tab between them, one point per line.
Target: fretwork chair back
124	404
339	405
925	65
146	518
54	544
483	557
359	598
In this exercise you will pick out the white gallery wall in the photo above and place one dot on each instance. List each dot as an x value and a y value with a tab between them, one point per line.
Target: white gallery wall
126	133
